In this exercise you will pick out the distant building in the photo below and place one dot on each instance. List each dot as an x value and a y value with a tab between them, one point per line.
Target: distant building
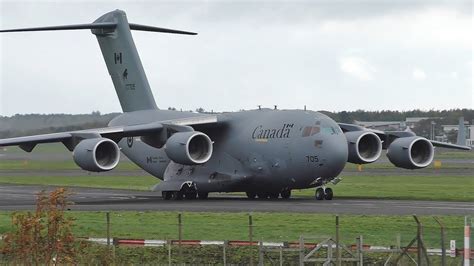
382	125
469	132
412	121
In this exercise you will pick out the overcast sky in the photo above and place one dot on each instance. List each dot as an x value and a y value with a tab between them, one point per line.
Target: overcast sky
327	55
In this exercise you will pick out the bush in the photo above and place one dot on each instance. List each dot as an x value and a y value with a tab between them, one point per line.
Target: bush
43	237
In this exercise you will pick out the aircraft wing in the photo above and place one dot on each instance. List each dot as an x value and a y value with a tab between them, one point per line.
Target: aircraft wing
449	145
388	136
116	133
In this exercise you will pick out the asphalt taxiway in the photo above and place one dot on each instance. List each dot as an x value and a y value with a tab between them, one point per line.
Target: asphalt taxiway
22	197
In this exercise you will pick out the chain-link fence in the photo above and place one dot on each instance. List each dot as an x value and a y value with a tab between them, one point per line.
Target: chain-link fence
431	235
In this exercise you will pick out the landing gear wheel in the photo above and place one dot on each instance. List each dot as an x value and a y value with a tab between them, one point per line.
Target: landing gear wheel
190	195
251	195
203	195
176	195
328	193
166	195
319	194
285	194
274	195
262	195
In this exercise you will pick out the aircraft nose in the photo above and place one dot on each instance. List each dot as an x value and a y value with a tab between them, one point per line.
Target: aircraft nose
336	152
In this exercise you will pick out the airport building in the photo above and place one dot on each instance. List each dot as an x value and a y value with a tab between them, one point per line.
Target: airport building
469	132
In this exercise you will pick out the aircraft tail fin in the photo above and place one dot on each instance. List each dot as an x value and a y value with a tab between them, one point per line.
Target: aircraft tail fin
113	33
461	139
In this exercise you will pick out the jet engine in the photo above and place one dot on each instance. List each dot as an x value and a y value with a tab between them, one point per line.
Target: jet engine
97	155
411	152
363	146
191	147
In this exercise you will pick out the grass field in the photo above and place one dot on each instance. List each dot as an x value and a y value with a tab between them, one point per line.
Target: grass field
377	230
94	180
69	164
54	165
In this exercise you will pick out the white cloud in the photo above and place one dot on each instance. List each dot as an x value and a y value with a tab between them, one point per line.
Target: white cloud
419	74
454	75
357	67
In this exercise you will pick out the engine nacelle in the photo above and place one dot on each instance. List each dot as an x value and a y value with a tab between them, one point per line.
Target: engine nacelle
189	148
363	146
411	152
97	155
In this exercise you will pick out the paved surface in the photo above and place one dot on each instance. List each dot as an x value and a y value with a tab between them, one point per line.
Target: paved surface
21	197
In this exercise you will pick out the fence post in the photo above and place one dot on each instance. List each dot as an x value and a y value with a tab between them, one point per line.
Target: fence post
443	236
180	233
224	252
338	253
281	255
107	215
260	253
399	242
420	243
251	237
467	236
169	251
360	250
301	251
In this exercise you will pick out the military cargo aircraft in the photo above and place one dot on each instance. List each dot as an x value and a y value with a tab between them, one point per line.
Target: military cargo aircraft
265	152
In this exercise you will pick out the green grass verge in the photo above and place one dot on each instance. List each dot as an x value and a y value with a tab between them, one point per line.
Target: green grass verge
382	165
450	154
376	230
54	165
96	181
451	188
69	164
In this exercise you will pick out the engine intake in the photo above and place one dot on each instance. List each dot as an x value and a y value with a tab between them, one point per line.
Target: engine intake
97	155
411	152
189	148
364	147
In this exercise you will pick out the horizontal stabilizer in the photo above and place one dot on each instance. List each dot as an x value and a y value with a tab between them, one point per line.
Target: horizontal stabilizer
102	25
156	29
68	27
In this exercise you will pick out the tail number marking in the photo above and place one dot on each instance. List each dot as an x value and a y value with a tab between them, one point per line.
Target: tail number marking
312	158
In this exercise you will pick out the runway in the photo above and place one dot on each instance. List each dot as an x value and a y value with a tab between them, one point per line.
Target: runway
22	197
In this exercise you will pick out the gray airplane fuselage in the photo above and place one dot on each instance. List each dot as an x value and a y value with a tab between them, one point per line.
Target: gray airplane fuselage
255	150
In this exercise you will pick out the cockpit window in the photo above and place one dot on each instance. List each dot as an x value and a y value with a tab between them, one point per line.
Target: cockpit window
310	131
331	130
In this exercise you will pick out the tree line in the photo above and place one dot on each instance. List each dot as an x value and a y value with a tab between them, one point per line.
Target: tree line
30	124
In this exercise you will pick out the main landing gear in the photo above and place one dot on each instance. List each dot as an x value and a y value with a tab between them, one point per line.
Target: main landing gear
187	192
284	194
323	193
179	195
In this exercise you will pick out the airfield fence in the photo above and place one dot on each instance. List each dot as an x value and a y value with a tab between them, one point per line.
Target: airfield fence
412	244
